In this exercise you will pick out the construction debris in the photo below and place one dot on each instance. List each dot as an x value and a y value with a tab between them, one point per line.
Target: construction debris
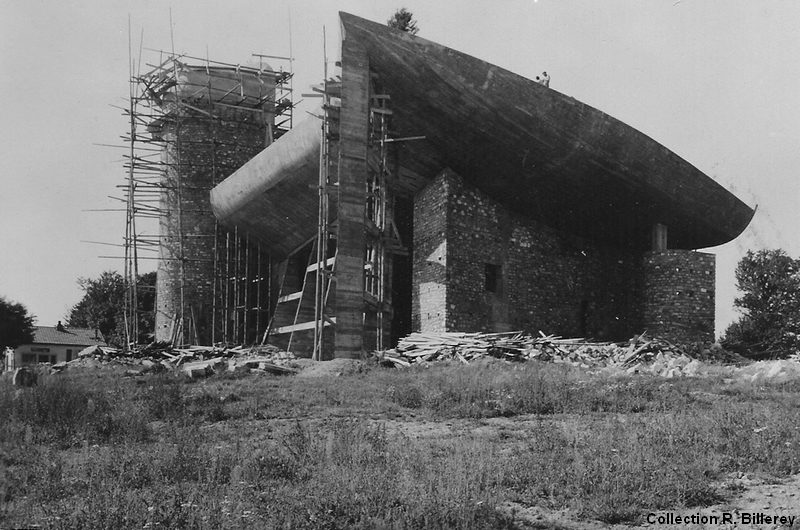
640	354
192	361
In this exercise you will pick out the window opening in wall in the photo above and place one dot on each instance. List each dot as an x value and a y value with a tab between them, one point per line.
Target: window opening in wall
492	278
69	355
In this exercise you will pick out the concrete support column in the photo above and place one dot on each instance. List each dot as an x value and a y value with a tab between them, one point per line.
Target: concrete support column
659	237
354	128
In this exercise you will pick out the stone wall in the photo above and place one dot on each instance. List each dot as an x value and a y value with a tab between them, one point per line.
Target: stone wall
480	267
429	267
679	295
199	153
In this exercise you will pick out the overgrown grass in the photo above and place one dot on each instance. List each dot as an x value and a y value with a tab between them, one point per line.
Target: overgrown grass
62	414
532	389
101	451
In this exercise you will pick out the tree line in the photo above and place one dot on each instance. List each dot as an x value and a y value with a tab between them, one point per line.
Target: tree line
101	308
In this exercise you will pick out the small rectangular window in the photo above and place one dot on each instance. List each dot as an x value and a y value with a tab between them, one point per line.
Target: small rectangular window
492	278
69	355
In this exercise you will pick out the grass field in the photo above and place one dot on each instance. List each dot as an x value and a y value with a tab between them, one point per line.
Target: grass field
438	447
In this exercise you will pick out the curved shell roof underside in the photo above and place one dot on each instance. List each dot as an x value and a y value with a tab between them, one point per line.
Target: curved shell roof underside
539	152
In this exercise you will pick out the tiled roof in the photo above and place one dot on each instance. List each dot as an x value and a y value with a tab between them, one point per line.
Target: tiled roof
72	336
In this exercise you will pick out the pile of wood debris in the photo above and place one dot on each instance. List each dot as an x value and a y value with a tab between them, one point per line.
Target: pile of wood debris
638	354
194	361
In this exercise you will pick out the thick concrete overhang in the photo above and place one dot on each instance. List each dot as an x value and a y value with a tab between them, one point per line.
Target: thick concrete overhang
539	152
274	196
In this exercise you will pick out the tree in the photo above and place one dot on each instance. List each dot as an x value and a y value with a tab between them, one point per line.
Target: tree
103	306
404	21
16	325
769	281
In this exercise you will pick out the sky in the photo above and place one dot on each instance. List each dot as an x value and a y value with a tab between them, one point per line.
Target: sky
715	81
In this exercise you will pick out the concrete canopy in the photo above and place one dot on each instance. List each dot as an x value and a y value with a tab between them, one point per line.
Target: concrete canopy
274	197
539	152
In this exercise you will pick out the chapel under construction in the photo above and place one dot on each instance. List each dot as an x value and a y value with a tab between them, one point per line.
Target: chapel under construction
431	191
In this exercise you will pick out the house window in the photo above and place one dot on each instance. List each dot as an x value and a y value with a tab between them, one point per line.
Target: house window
46	358
492	278
69	355
28	358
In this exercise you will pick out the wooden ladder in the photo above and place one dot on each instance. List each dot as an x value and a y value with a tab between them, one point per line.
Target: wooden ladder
292	304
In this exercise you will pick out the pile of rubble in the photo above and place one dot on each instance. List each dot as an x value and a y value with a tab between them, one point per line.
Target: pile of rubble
640	354
193	361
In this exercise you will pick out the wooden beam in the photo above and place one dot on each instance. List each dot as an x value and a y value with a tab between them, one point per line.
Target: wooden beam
303	326
290	297
314	266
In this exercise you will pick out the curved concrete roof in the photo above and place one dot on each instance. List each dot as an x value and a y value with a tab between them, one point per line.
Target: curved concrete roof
274	196
540	152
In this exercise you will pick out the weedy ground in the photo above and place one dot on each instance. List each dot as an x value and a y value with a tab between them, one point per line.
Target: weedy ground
438	447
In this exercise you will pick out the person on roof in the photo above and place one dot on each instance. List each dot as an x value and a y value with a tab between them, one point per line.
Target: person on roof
545	79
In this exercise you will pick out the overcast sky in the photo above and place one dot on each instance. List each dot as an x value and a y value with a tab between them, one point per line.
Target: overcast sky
717	82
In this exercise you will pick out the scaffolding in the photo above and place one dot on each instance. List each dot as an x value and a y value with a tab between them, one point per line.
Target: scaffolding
327	190
294	324
194	121
378	213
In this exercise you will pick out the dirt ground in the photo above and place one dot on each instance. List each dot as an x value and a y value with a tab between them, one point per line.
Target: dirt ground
758	496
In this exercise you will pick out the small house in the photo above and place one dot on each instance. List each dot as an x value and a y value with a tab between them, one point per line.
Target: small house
53	344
